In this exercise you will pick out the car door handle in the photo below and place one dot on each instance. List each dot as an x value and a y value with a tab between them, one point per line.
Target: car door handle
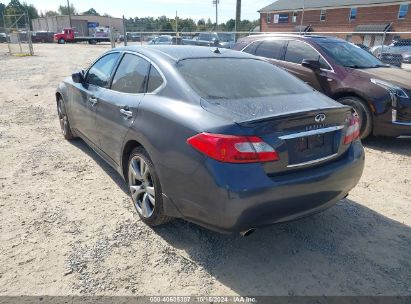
126	113
93	101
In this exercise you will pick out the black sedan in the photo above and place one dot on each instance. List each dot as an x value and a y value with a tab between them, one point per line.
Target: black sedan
217	137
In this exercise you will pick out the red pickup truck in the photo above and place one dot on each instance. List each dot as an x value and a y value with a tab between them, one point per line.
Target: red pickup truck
68	35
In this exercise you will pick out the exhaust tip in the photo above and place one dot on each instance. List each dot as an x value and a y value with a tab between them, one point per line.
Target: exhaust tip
247	232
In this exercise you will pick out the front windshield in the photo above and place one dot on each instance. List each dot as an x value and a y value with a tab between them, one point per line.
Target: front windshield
349	55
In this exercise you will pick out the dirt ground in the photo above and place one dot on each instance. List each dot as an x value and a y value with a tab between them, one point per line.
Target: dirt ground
68	228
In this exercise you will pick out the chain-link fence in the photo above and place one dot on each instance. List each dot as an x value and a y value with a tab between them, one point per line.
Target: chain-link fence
17	34
178	31
392	48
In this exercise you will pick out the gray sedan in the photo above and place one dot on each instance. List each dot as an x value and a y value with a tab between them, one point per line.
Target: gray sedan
217	137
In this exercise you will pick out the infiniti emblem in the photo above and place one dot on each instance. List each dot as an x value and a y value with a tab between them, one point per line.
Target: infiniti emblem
320	117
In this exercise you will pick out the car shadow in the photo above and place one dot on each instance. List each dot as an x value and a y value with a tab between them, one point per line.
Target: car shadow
113	174
400	146
346	250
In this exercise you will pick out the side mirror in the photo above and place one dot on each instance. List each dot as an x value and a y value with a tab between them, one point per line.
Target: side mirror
78	77
311	64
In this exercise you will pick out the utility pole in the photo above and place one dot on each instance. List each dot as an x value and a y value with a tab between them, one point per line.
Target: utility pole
302	17
237	18
216	14
176	24
69	12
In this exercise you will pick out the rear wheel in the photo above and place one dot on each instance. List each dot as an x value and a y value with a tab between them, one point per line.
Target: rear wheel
362	111
145	188
63	120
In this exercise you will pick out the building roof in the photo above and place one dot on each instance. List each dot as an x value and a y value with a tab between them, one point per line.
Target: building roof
287	5
383	27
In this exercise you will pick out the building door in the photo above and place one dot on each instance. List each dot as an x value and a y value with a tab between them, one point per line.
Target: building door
367	40
378	40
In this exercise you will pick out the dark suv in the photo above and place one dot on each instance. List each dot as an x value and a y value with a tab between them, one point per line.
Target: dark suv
379	93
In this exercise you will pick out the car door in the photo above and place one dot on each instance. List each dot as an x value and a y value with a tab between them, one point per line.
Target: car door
117	107
85	96
296	51
203	39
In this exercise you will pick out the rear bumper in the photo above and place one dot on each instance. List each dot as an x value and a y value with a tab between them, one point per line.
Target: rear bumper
233	198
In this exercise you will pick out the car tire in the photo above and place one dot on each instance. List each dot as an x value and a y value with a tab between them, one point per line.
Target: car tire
62	41
363	112
145	188
63	120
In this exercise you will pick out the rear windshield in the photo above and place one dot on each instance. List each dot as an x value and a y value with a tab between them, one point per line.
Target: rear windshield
235	78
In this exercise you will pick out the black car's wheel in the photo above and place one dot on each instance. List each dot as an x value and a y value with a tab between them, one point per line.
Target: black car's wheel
362	111
63	119
145	188
62	41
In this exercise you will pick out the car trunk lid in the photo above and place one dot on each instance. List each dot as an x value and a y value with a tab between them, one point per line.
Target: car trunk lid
306	129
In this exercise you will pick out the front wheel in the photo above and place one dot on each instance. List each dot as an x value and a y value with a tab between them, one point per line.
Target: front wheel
362	111
145	188
62	41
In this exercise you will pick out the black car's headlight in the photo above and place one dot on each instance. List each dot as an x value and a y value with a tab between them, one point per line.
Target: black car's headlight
392	88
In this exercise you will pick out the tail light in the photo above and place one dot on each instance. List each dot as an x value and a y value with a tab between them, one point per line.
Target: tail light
353	131
233	149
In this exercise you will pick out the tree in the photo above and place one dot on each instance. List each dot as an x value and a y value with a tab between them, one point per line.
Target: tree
92	12
16	8
31	11
63	10
229	26
50	13
209	24
186	25
166	27
2	11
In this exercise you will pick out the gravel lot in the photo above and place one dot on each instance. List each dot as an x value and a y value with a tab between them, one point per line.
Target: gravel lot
68	227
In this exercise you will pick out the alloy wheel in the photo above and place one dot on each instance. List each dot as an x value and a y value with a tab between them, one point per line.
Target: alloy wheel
141	186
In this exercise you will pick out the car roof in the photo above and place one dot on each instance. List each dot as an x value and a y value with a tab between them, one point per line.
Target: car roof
308	37
181	52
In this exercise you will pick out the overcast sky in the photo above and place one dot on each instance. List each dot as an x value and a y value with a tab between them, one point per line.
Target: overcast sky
195	9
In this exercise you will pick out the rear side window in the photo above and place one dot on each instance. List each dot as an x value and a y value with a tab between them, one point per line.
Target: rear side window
99	74
204	37
252	48
236	78
131	75
164	39
298	51
270	49
154	80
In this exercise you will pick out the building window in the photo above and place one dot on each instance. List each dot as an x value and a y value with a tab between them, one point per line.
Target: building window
295	14
322	15
353	13
268	18
403	11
